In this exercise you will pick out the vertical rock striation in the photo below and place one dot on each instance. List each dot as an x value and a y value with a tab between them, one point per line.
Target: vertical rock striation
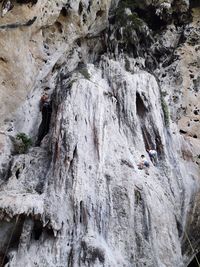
122	77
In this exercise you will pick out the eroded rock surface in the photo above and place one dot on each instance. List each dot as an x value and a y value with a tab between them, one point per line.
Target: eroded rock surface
119	82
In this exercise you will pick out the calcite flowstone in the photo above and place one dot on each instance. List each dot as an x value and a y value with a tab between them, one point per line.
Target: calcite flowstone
79	198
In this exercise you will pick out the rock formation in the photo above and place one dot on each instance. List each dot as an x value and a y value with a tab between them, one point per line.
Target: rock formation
121	77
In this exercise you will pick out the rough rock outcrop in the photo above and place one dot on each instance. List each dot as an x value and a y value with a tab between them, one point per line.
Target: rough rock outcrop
119	82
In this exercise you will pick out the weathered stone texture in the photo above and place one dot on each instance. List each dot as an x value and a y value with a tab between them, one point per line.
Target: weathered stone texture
79	198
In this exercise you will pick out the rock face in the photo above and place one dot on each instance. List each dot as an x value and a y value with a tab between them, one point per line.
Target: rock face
122	77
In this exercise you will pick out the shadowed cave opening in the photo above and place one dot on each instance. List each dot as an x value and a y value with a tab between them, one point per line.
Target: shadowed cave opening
10	237
17	230
3	259
40	230
151	136
17	173
150	17
63	12
140	107
37	229
45	124
11	231
195	262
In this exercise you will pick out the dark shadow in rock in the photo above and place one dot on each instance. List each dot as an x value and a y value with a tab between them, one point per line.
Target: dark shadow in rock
80	8
33	2
40	187
182	131
179	227
17	232
195	261
17	25
151	136
155	22
6	172
138	197
153	141
11	233
159	146
17	173
83	213
45	124
140	106
39	230
3	259
90	254
194	3
71	258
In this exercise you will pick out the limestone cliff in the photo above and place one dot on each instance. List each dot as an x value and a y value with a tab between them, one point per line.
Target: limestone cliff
121	77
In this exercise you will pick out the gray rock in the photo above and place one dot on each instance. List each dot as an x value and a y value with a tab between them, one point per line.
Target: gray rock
79	199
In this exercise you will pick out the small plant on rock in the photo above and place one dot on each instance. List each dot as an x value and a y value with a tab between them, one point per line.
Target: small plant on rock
70	84
22	143
165	111
85	73
133	19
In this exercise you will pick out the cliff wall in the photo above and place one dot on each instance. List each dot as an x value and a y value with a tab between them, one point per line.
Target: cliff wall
122	77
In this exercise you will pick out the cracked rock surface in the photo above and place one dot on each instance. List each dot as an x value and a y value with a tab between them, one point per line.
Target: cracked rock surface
117	87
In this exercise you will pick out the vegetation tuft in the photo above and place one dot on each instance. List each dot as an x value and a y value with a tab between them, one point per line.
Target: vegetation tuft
22	143
85	73
165	112
132	19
